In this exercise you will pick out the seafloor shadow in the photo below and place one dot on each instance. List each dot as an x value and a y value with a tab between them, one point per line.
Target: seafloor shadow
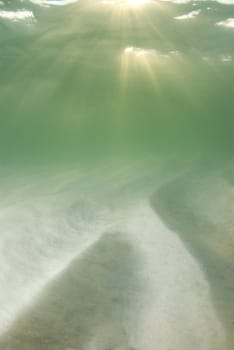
180	204
89	305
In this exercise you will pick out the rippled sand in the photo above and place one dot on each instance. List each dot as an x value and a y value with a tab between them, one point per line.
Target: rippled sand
136	286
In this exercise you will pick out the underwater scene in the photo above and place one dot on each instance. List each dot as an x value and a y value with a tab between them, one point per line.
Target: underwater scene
116	175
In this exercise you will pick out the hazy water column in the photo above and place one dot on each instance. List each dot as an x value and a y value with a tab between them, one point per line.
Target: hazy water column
101	77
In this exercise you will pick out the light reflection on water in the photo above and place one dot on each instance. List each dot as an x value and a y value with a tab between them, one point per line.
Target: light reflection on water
17	15
189	15
229	23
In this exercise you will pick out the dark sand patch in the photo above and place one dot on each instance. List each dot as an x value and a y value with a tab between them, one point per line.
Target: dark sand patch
89	302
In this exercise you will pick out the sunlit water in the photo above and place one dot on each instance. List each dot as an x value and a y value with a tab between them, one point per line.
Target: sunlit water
116	141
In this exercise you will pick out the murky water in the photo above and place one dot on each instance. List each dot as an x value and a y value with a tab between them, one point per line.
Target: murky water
116	168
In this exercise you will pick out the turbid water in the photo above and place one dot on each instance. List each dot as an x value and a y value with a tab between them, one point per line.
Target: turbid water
116	175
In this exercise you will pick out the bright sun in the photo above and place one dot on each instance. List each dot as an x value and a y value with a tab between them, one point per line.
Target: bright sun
137	2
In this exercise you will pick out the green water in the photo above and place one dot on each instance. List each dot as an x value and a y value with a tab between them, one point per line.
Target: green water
68	85
116	165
